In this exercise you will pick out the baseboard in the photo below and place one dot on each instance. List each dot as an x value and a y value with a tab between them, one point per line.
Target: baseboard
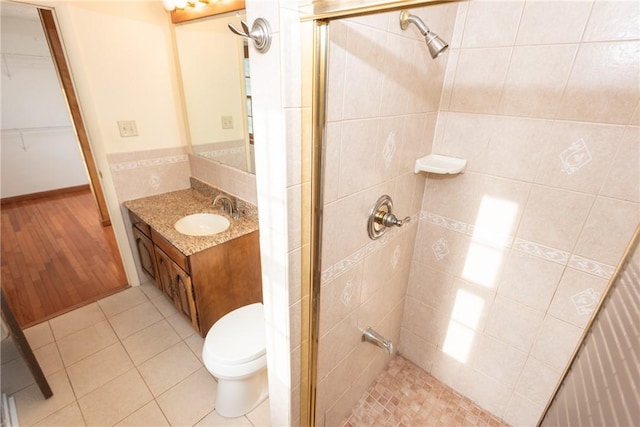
41	194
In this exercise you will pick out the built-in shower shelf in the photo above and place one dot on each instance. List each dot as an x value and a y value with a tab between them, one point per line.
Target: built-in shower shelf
435	163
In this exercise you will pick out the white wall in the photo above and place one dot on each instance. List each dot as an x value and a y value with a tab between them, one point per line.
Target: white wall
39	149
121	59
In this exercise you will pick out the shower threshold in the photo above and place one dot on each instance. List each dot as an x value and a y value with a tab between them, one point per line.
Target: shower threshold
405	395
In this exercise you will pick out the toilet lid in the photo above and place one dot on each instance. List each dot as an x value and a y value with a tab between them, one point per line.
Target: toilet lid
238	337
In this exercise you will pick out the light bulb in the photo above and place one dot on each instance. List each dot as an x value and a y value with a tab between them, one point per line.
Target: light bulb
169	5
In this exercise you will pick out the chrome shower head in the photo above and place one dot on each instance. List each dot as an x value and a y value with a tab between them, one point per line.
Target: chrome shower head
435	44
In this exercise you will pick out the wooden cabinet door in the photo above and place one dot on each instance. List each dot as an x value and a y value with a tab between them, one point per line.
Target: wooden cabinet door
164	278
183	297
145	251
176	284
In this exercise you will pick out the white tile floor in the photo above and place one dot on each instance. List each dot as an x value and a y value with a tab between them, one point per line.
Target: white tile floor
128	360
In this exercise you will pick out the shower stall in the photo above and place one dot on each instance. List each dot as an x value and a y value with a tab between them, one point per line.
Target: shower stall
491	282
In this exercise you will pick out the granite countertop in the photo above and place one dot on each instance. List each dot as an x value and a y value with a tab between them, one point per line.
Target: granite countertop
163	210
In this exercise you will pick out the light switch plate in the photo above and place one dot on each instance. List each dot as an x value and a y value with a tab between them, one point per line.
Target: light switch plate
127	128
227	122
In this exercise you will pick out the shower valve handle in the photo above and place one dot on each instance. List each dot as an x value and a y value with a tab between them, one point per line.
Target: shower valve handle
389	220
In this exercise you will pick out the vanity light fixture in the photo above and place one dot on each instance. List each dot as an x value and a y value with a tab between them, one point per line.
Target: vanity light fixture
171	5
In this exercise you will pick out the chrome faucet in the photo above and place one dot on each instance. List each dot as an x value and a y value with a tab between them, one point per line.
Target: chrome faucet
228	205
375	338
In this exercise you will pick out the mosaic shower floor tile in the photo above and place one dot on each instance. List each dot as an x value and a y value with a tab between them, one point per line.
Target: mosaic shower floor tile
406	395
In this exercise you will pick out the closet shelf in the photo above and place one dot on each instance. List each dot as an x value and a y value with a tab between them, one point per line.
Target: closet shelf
435	163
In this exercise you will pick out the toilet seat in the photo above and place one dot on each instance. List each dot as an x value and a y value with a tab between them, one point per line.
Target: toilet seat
235	345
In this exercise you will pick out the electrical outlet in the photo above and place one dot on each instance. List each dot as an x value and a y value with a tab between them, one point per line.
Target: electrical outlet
127	128
227	122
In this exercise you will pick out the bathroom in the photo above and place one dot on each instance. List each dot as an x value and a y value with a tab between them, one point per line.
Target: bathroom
118	76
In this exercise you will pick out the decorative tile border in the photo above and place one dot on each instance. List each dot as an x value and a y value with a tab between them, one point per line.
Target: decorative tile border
212	154
346	264
592	267
542	251
145	163
558	256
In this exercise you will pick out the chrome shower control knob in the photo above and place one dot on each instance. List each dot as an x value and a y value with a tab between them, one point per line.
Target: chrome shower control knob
381	217
389	220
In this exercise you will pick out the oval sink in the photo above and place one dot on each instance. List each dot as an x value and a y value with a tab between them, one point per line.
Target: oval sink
202	224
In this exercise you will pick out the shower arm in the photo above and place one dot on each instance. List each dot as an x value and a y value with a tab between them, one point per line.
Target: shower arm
407	18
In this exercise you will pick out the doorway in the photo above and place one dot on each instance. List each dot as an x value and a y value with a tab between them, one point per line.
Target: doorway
58	248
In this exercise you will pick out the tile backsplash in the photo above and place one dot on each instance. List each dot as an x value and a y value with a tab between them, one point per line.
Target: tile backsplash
146	173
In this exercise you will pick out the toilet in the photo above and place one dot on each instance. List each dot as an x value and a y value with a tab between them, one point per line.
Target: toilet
234	353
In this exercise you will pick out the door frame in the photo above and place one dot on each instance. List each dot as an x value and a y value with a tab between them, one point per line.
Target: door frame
56	48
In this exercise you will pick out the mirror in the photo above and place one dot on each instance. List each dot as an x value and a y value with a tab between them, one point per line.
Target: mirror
216	85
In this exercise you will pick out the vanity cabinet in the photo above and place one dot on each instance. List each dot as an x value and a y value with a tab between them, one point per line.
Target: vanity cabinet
176	284
145	251
206	285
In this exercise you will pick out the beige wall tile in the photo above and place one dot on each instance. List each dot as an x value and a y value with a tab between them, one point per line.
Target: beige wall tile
492	24
513	323
466	136
98	369
341	297
496	359
336	84
197	392
514	151
480	76
607	72
537	381
563	22
529	280
536	80
554	217
522	412
613	20
577	296
441	249
624	174
337	344
555	342
115	400
425	97
484	390
428	285
397	87
608	230
424	321
418	133
358	155
414	347
364	73
578	156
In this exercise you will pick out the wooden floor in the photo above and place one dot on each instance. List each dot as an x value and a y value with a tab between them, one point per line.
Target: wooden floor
56	256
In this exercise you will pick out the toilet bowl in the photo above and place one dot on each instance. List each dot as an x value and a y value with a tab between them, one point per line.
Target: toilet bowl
234	353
